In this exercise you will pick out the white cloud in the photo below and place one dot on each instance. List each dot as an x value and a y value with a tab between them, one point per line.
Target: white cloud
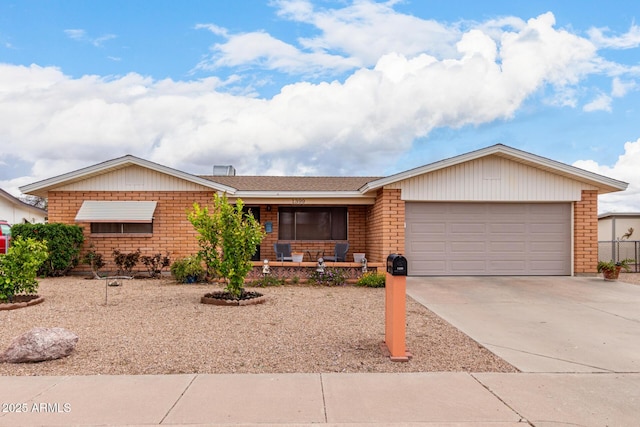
625	169
628	40
601	103
82	36
424	75
620	88
261	50
352	37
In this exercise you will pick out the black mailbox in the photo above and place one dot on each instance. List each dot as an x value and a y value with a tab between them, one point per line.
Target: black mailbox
396	265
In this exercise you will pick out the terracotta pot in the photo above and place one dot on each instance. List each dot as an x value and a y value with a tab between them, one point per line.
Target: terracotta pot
611	274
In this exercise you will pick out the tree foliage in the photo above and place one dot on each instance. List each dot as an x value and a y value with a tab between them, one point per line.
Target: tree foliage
228	238
63	245
19	267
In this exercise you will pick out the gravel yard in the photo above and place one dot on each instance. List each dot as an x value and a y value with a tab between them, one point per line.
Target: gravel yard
159	327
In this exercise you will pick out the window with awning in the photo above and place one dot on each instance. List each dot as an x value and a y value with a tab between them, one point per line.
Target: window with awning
118	217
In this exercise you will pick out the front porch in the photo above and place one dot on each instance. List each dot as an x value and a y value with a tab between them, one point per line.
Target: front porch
301	271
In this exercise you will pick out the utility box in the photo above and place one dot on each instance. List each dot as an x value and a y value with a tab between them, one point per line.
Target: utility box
396	265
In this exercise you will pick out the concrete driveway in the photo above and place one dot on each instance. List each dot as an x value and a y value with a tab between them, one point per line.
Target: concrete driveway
542	324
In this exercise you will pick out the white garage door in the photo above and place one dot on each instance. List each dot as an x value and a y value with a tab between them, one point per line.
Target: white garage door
488	238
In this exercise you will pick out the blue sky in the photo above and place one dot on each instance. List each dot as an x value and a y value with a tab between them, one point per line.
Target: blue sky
318	87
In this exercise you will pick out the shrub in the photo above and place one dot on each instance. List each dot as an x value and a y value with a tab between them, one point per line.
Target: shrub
267	281
94	260
63	245
328	277
372	279
155	264
188	270
125	262
19	267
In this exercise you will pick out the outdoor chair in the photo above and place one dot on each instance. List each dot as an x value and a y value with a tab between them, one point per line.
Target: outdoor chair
283	251
339	253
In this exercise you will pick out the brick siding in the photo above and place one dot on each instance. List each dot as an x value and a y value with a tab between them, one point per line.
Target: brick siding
173	233
585	238
385	231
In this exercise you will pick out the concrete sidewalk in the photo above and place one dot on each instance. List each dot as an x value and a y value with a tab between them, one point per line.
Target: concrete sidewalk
446	399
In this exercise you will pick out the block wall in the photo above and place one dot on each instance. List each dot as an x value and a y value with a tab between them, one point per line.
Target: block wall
585	238
172	231
385	225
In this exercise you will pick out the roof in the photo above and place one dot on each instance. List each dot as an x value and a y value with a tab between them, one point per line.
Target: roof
15	201
604	184
326	187
619	215
292	183
40	188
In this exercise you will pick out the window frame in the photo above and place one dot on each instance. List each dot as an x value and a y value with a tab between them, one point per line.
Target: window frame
122	228
294	228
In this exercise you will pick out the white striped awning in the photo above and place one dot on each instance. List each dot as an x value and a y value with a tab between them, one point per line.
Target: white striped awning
110	211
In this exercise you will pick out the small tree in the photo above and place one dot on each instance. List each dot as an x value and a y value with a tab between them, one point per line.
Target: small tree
228	238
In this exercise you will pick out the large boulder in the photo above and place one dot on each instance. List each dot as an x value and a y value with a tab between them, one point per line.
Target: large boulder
40	344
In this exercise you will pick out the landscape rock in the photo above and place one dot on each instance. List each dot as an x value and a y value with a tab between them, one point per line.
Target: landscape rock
40	344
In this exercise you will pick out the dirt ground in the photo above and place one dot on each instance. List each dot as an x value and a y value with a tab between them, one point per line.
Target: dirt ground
160	327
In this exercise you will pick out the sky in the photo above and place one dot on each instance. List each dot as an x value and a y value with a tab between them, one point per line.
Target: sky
322	87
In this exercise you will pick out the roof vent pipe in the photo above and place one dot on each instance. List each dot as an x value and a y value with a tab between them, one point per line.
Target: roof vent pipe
224	170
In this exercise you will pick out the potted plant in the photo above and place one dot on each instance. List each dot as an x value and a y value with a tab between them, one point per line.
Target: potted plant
297	256
611	269
188	270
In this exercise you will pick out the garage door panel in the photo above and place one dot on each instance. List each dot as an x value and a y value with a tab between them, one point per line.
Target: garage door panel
469	267
505	227
514	266
489	238
468	247
467	228
428	227
507	247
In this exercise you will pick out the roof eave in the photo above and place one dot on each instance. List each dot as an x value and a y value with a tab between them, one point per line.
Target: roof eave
300	194
40	188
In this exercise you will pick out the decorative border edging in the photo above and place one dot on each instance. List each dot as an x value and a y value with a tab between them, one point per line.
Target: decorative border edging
232	303
15	305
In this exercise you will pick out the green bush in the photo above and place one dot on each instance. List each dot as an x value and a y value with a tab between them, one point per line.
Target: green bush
267	281
19	267
63	245
372	280
188	270
328	277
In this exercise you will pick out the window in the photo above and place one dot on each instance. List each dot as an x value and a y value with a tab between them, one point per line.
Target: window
122	227
312	223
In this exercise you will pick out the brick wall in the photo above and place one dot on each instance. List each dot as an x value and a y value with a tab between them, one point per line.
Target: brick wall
585	239
172	231
385	231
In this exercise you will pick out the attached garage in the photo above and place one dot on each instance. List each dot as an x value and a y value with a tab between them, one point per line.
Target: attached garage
454	238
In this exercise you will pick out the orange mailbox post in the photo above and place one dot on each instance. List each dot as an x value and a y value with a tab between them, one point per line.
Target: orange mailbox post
396	308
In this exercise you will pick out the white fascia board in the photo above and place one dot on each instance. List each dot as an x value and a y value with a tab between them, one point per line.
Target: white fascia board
120	162
299	194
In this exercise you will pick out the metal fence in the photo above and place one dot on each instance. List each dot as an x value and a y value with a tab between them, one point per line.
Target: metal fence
620	249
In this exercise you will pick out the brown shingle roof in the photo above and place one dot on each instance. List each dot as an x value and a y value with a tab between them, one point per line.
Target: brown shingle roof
292	183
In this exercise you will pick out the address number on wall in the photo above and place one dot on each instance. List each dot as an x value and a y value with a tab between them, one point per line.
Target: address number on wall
298	201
